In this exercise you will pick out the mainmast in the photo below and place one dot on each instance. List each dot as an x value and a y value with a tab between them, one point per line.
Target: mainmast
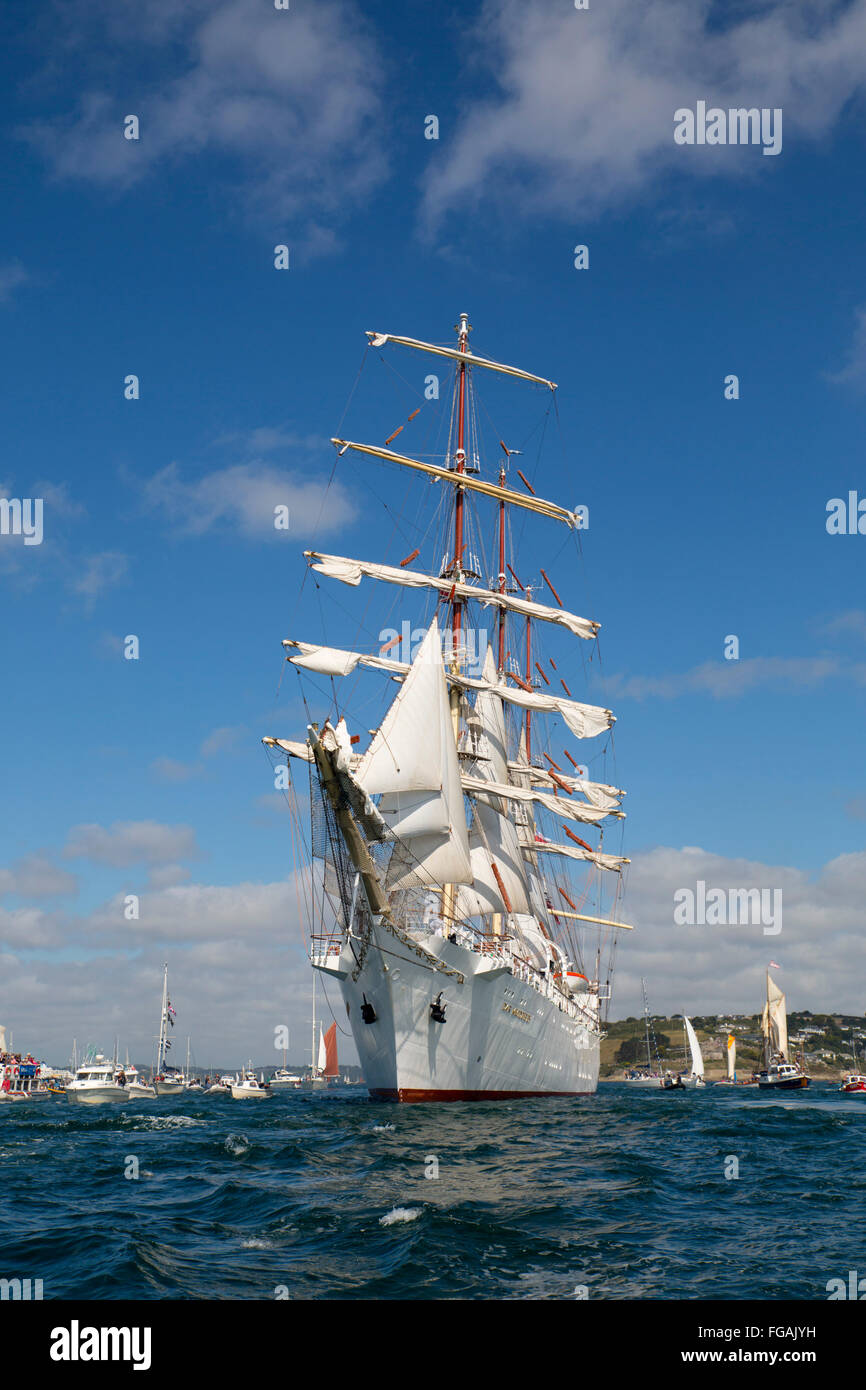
160	1050
463	331
646	1025
528	684
501	659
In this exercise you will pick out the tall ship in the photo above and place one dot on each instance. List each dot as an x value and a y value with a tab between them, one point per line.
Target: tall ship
470	929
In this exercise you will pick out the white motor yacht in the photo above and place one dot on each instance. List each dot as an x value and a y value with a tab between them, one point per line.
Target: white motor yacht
283	1080
95	1083
137	1089
249	1088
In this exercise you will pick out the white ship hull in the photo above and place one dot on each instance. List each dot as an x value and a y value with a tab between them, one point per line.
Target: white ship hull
169	1088
501	1039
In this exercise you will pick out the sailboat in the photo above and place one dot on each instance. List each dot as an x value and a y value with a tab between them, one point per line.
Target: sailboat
730	1077
778	1073
315	1079
285	1080
168	1080
192	1083
440	850
136	1088
649	1076
695	1079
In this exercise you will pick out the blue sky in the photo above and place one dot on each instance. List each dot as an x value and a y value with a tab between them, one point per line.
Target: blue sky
707	516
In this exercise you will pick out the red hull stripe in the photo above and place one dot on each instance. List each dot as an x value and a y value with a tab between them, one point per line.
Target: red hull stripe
411	1096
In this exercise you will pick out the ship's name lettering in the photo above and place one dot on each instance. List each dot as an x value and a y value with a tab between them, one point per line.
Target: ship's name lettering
518	1013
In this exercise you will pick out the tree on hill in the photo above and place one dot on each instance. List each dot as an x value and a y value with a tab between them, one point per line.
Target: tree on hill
634	1049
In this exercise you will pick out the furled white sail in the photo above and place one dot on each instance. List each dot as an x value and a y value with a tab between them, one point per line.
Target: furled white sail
412	762
584	721
378	340
333	661
530	502
732	1056
598	793
695	1048
557	805
336	741
291	747
602	861
353	571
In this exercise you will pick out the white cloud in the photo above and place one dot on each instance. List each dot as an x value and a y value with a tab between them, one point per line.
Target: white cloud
582	112
714	969
94	573
852	621
237	966
729	679
853	373
243	497
131	842
167	876
35	876
267	439
289	102
198	912
170	770
12	276
221	740
29	929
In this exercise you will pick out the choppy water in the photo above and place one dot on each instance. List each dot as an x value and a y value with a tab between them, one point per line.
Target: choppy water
326	1196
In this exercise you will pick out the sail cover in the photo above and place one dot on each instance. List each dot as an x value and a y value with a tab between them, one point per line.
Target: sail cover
695	1048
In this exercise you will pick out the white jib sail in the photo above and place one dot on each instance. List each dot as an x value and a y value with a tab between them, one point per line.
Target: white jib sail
732	1056
323	1056
695	1047
412	762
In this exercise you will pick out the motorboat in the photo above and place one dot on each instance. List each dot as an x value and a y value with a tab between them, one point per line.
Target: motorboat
249	1088
96	1083
137	1089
